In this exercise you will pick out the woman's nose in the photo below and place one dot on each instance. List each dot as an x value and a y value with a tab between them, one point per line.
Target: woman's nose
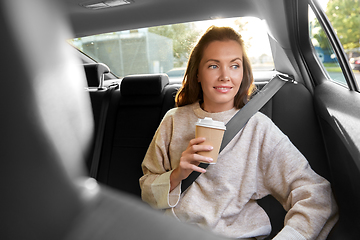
225	75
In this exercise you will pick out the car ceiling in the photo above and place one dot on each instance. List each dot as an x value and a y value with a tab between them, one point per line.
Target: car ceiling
146	13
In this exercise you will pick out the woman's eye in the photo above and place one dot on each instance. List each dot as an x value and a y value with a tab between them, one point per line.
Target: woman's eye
212	66
235	66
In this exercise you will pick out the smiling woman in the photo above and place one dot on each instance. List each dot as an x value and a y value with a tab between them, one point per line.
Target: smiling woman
260	161
259	187
164	48
222	61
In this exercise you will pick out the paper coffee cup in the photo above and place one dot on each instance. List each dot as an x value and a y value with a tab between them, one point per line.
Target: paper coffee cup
213	131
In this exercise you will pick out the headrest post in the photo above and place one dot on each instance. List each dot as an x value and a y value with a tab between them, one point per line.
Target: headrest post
101	84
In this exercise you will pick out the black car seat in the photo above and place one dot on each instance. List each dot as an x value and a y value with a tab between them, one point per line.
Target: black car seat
141	103
95	74
45	127
292	110
100	97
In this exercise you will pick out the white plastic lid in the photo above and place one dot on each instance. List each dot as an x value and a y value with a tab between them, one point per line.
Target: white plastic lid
208	122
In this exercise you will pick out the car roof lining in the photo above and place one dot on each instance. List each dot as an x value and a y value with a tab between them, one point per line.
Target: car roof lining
147	13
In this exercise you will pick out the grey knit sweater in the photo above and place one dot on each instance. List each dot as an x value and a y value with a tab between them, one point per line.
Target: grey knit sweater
259	161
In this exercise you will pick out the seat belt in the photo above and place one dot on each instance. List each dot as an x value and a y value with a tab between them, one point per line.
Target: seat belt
94	167
239	120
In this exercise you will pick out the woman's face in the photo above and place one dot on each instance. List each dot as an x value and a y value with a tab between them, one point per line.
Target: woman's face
220	74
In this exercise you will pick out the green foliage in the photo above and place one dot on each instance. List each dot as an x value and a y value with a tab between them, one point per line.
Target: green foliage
344	15
320	35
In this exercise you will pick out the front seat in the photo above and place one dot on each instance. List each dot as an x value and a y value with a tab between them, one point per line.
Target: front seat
46	126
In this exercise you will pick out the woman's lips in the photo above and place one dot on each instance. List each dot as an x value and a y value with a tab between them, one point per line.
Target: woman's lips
223	89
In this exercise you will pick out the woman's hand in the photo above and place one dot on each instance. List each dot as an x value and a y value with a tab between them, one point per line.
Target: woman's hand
189	161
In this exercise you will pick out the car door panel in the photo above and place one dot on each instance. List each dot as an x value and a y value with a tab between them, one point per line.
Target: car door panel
337	108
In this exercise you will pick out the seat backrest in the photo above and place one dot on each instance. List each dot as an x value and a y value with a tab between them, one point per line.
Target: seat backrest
95	74
45	125
100	97
292	110
142	102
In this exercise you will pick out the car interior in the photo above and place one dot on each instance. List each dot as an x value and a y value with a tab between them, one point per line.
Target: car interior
74	134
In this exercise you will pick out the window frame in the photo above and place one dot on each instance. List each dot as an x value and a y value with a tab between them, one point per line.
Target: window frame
120	76
335	43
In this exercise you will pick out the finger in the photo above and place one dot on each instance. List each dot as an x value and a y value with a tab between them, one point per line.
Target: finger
187	168
199	169
197	158
196	141
201	148
193	159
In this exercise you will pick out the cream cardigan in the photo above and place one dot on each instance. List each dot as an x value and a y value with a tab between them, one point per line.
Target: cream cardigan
259	161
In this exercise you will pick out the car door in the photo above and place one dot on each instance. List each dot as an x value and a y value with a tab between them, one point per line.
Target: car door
337	102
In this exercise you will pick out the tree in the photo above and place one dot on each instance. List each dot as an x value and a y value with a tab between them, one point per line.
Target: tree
344	15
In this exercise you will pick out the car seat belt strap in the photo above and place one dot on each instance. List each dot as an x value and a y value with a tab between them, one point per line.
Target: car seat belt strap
94	167
239	120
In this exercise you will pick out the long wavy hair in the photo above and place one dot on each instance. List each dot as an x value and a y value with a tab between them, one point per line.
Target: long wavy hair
191	90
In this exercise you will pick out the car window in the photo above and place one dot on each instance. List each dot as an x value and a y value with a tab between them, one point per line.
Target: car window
345	19
324	51
166	49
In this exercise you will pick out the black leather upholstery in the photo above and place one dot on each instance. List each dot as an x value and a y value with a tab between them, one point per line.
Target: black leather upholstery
142	102
45	123
100	99
143	85
292	110
95	73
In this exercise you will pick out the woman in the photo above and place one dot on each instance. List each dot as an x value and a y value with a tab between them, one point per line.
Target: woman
259	161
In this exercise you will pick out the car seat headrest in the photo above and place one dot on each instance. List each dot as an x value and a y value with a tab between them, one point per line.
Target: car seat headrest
95	73
50	86
143	84
46	122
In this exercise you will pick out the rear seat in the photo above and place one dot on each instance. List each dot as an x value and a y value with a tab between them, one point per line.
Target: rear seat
141	102
292	110
95	74
100	97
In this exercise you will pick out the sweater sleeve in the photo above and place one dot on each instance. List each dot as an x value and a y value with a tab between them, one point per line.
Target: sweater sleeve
156	166
306	196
